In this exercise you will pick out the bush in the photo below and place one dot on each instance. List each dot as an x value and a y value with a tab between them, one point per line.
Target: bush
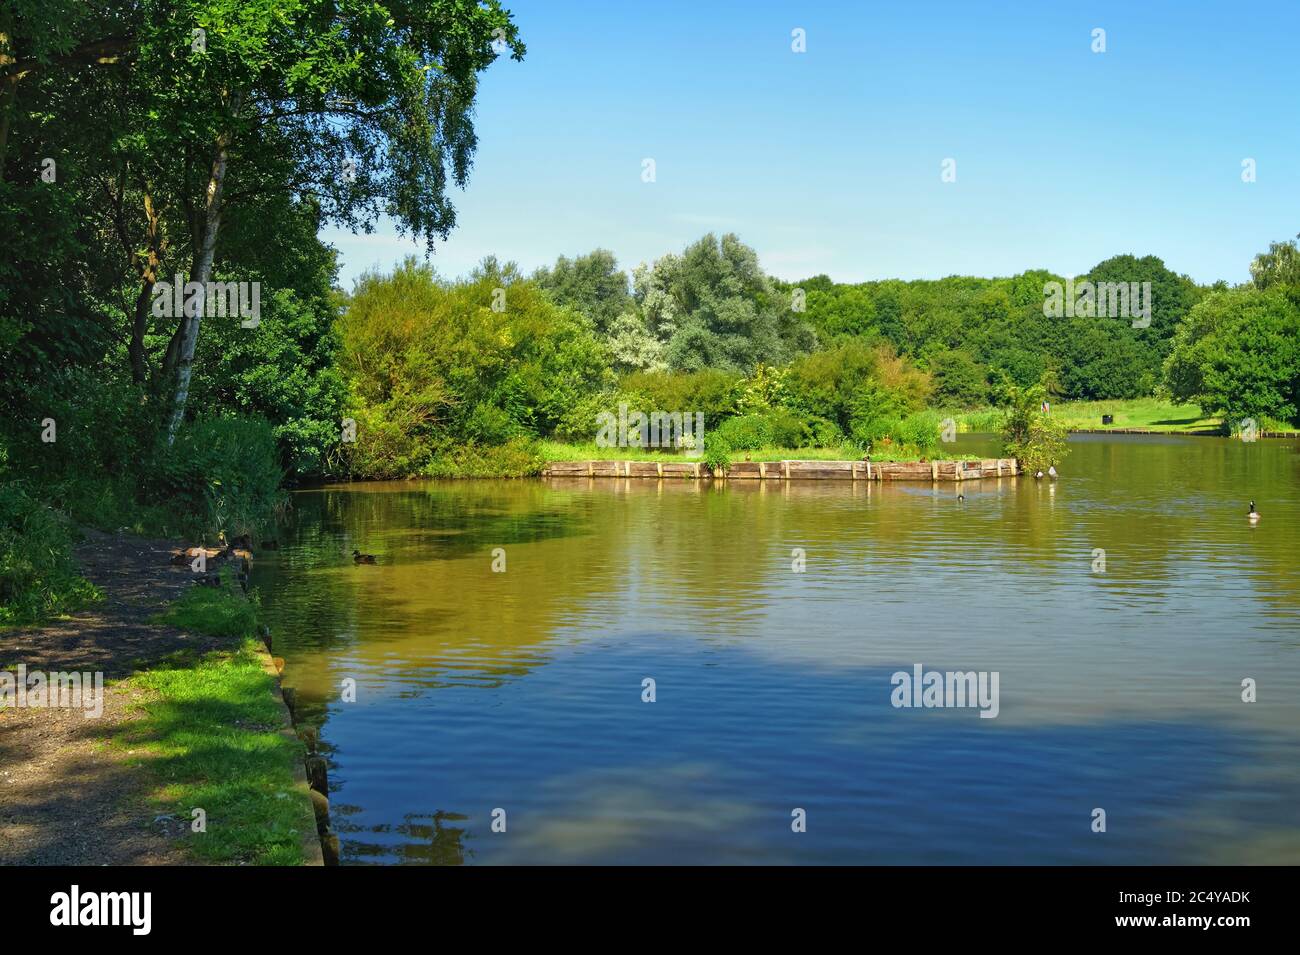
746	433
38	576
1034	439
918	432
224	473
789	430
717	456
709	390
519	457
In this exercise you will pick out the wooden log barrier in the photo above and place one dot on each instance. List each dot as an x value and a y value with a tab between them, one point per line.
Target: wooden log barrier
793	470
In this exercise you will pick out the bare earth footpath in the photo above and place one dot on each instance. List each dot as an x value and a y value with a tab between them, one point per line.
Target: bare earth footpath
68	797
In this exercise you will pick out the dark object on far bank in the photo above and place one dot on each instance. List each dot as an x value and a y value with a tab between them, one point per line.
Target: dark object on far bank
1108	419
360	558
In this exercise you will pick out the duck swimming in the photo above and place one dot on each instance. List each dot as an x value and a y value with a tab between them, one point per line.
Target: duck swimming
360	558
1253	516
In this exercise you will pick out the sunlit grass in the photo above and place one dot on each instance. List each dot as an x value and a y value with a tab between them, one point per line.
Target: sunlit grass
1152	414
210	730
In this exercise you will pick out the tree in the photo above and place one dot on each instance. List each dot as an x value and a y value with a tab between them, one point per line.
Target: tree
209	105
713	307
592	284
1280	265
1034	438
1238	355
958	379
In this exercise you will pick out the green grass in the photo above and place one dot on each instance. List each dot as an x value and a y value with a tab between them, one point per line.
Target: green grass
1151	414
216	611
210	728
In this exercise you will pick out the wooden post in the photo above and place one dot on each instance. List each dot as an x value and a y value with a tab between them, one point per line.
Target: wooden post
868	469
934	470
762	470
659	467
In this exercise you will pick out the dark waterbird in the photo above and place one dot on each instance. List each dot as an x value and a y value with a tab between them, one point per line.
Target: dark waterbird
360	558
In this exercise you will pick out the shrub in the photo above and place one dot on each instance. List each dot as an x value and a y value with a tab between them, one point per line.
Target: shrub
918	432
519	457
717	456
222	472
1034	439
789	430
38	576
745	433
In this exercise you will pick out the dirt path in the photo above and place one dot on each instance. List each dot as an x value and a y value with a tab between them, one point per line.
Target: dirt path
66	796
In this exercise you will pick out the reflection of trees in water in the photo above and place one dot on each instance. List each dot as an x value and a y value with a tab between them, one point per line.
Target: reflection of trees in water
428	840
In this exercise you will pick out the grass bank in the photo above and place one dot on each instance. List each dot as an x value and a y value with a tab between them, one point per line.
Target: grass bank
1150	414
209	736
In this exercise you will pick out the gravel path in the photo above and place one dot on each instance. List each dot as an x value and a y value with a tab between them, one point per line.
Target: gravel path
66	796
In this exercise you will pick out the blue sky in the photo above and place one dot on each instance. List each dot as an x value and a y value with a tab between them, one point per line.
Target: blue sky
830	160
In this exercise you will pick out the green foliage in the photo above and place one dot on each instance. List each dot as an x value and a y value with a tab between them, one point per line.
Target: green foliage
710	391
431	364
717	455
959	381
713	307
1238	355
591	284
917	433
789	430
223	472
962	328
1034	439
1279	266
518	457
765	389
38	576
743	433
859	387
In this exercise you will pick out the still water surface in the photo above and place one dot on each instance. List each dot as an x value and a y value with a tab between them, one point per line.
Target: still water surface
522	690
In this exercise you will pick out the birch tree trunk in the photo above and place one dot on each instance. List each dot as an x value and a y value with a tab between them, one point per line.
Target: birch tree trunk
189	329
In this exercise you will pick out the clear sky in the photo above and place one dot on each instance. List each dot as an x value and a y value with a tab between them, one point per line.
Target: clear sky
830	160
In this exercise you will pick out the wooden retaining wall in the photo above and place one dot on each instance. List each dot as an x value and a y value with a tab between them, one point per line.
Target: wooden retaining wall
793	470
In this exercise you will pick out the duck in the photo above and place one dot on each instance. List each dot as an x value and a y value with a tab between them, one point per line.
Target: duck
961	498
1051	471
1253	516
1038	475
360	558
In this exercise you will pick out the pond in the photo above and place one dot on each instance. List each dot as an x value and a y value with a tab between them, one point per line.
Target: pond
771	618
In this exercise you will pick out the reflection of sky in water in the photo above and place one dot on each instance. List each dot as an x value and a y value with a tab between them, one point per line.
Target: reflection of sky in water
522	690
